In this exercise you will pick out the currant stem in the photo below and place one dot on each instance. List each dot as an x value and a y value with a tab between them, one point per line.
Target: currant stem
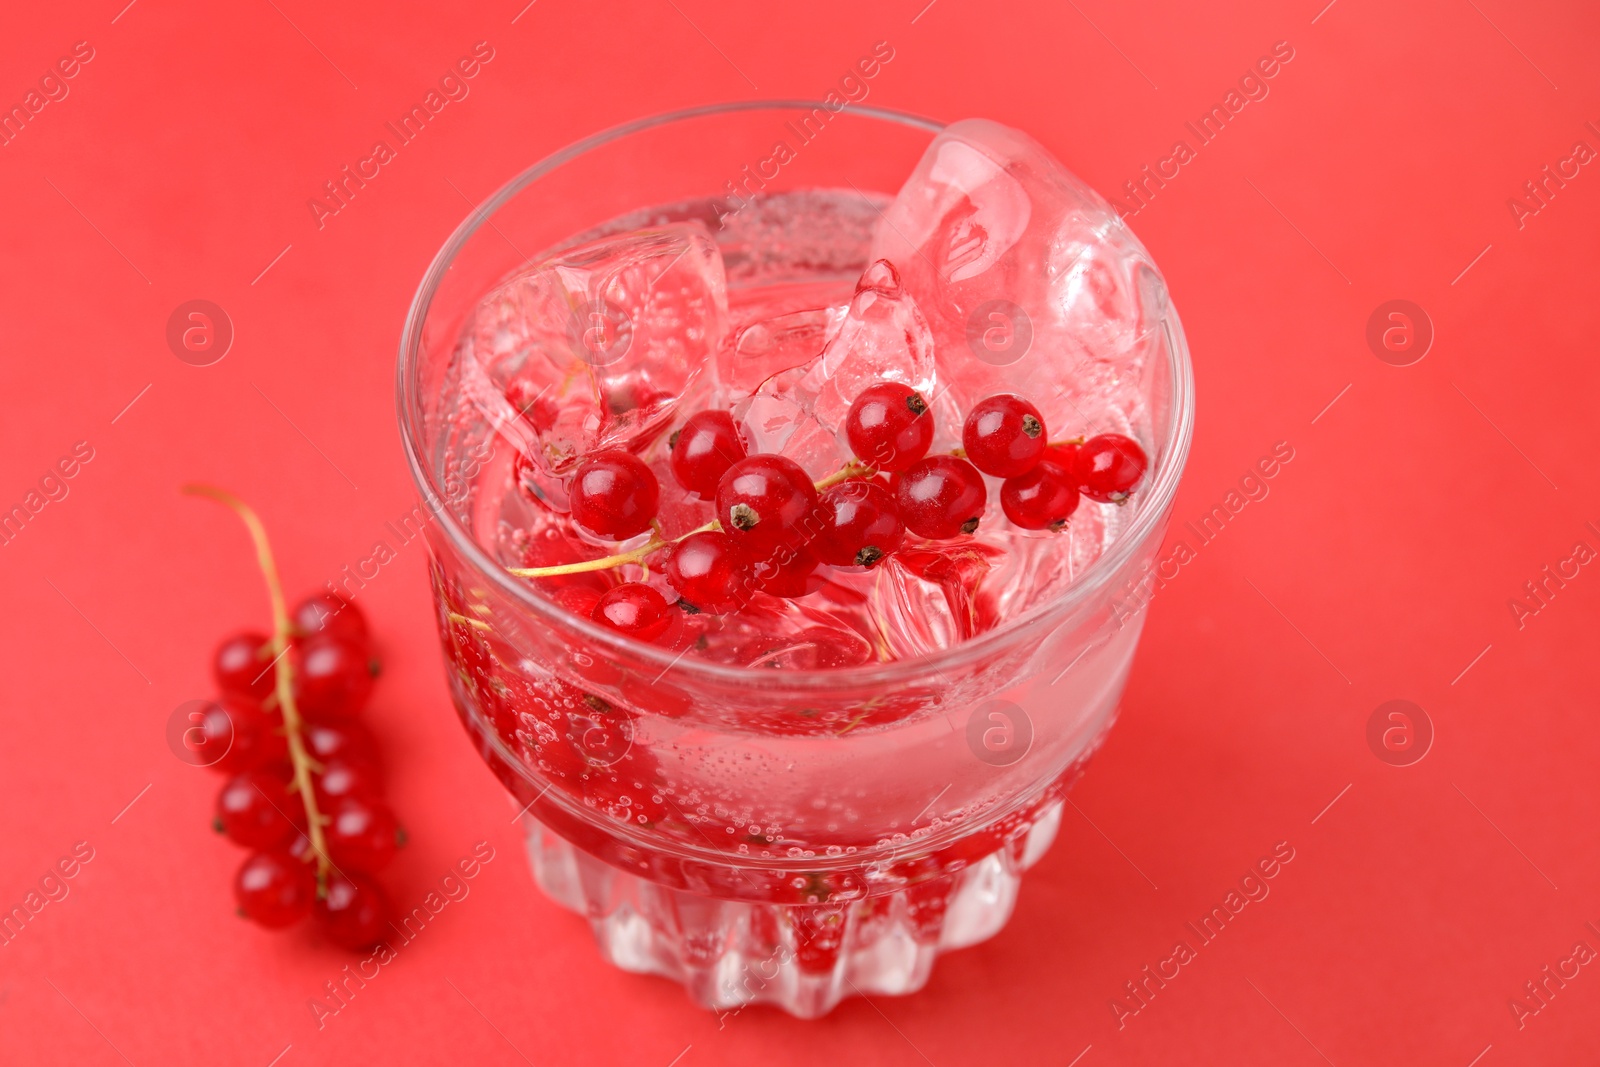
853	469
605	563
1080	439
283	674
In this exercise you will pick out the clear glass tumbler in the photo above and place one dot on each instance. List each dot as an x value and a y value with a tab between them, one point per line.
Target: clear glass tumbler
713	840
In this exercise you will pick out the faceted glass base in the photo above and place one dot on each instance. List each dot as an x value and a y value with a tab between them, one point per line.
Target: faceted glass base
801	958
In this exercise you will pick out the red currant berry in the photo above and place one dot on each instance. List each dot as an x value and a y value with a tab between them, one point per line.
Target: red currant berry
340	740
362	834
1042	499
340	778
329	613
789	572
578	599
635	609
560	761
552	547
334	677
254	809
703	450
355	913
889	426
1004	435
941	497
533	404
860	524
614	495
301	849
762	499
242	666
243	734
273	889
602	734
1108	466
1067	456
710	572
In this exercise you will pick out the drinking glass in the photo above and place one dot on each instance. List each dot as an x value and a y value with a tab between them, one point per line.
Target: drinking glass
788	837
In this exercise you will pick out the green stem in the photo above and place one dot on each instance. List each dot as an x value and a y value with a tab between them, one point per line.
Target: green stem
283	674
605	563
852	469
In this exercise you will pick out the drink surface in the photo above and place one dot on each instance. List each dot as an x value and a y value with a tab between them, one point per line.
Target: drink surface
779	315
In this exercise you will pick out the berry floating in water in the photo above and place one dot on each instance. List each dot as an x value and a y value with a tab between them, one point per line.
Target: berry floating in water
635	609
710	572
703	450
860	524
614	495
889	426
789	573
941	497
1004	436
1044	498
762	500
1108	466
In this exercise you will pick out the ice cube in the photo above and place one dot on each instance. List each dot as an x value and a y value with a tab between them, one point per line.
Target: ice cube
594	347
804	634
780	417
1039	565
883	337
772	374
929	596
1029	280
771	346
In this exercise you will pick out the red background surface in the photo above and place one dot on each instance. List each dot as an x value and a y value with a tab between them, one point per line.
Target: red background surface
1379	567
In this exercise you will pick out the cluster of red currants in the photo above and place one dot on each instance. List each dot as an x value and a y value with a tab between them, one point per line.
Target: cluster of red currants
775	526
316	853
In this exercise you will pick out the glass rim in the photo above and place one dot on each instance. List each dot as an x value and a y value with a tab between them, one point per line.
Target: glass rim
1158	496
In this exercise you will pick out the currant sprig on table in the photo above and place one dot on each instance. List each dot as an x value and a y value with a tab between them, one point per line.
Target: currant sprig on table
304	792
775	525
